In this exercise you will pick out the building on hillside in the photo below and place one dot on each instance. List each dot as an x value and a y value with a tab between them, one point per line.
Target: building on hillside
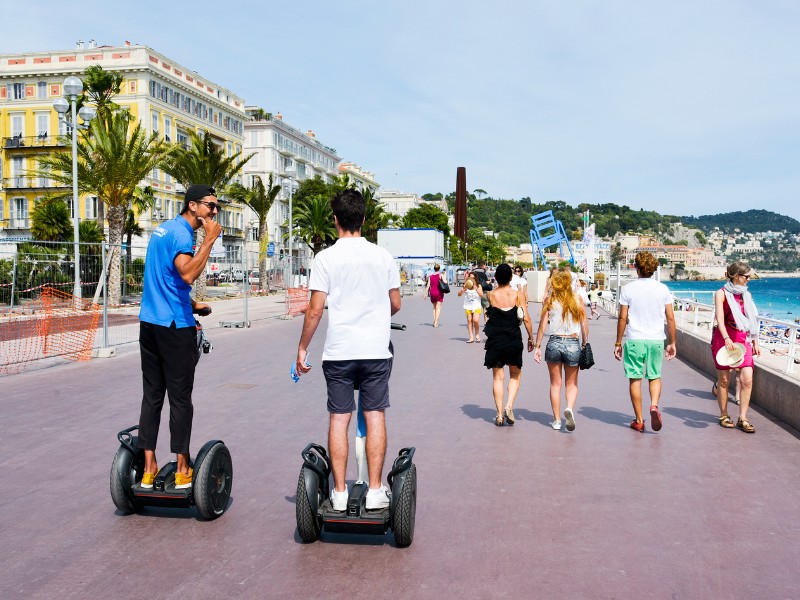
398	203
678	254
282	151
363	179
166	97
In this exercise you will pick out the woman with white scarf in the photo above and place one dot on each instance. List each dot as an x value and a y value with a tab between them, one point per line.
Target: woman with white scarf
736	321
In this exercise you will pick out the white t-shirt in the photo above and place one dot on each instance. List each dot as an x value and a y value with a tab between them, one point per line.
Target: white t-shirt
357	276
517	282
646	300
472	301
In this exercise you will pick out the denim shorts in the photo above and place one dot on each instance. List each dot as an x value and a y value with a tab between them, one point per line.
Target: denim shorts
563	350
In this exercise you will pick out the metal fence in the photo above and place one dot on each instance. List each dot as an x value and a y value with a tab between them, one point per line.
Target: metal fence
29	268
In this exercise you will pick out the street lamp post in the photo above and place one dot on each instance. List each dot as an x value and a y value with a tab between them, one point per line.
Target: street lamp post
72	88
288	173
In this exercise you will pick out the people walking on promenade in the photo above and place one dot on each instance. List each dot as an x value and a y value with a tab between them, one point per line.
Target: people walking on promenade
644	304
566	313
519	283
167	329
361	283
504	342
472	293
436	295
736	327
482	277
594	293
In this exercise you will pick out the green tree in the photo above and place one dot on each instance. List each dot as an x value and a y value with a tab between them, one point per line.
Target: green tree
50	221
375	217
203	162
313	222
617	254
114	155
260	198
427	216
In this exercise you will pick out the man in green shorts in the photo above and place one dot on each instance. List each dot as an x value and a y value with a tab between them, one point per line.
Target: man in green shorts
644	304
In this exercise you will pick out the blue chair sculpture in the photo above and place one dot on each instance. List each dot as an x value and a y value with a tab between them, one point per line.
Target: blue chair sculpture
547	232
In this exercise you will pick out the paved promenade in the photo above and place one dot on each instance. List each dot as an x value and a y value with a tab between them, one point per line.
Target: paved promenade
694	511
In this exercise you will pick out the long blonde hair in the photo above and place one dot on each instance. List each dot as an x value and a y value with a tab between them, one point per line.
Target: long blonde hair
561	292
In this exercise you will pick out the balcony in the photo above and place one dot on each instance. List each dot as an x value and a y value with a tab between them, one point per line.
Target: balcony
18	223
234	232
43	140
30	183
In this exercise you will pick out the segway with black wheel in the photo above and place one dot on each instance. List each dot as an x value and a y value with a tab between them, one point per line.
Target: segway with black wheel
211	483
314	511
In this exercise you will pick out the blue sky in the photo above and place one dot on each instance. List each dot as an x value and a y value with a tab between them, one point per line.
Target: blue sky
683	107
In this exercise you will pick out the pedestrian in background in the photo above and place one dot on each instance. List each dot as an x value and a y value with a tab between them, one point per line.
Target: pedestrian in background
584	295
432	290
644	304
504	343
594	293
566	313
519	283
472	293
735	322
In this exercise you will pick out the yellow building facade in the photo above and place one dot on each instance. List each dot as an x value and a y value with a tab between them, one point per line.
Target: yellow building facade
166	97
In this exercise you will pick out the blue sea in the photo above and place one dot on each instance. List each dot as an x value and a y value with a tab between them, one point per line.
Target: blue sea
777	297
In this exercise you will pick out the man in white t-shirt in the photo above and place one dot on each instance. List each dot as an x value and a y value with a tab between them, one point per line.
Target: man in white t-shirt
361	283
644	304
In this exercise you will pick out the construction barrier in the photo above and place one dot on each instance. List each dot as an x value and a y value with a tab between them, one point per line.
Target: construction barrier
55	324
296	301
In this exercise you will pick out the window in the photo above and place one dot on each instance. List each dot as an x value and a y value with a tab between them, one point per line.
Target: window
41	90
17	170
90	207
18	125
1	209
253	139
69	207
15	91
43	124
183	138
19	213
167	129
44	180
155	122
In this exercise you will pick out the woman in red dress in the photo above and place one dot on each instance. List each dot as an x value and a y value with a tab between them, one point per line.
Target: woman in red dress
432	290
736	321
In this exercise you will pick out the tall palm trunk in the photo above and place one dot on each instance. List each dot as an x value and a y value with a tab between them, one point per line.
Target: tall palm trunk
262	254
101	214
116	223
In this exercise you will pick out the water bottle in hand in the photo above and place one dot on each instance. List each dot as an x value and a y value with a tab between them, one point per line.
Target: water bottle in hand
293	371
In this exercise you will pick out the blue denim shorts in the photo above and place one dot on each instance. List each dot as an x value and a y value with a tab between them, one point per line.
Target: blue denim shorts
563	350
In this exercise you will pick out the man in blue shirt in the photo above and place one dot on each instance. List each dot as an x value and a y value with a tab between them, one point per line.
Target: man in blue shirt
167	331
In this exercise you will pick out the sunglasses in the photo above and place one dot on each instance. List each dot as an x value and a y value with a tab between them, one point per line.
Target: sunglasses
212	206
747	276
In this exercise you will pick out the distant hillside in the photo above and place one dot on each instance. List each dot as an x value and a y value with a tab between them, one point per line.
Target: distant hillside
750	221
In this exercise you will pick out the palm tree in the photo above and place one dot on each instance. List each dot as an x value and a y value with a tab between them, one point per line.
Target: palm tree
203	162
113	157
375	217
50	221
313	222
260	199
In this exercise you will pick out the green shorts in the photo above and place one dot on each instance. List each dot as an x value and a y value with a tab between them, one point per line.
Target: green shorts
639	356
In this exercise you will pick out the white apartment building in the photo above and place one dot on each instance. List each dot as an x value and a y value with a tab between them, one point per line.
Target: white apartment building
399	203
363	179
167	98
290	156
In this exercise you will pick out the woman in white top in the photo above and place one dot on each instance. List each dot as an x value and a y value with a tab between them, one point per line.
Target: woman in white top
518	281
472	293
566	313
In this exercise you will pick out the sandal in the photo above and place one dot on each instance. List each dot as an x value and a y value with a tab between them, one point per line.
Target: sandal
509	412
714	389
745	426
498	420
726	422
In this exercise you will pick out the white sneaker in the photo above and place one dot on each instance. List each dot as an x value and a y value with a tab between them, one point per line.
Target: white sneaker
339	500
570	419
556	424
379	498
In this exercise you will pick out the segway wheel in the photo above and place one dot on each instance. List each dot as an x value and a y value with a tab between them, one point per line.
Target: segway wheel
307	503
405	509
126	471
213	482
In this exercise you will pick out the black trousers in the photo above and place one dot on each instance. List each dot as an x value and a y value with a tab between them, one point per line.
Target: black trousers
169	357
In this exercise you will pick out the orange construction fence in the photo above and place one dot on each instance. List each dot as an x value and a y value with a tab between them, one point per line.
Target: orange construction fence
296	301
55	324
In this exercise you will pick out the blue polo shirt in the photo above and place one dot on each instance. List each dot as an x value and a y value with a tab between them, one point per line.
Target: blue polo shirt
165	299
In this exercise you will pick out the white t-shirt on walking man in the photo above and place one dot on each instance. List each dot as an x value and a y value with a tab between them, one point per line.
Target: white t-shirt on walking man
356	275
646	300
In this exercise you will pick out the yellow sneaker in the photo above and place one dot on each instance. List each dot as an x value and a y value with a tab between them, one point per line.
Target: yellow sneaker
147	480
183	481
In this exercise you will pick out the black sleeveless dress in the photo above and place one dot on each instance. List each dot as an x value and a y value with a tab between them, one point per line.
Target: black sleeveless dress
503	339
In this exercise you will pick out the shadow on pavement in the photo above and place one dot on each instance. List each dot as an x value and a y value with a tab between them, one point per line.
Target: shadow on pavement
535	417
611	417
691	418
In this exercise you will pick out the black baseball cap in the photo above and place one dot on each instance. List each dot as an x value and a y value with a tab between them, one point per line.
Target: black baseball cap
198	191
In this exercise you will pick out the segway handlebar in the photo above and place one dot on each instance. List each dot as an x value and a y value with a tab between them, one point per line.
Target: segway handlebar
399	326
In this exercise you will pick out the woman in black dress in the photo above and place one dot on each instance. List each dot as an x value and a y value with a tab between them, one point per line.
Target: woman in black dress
504	342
